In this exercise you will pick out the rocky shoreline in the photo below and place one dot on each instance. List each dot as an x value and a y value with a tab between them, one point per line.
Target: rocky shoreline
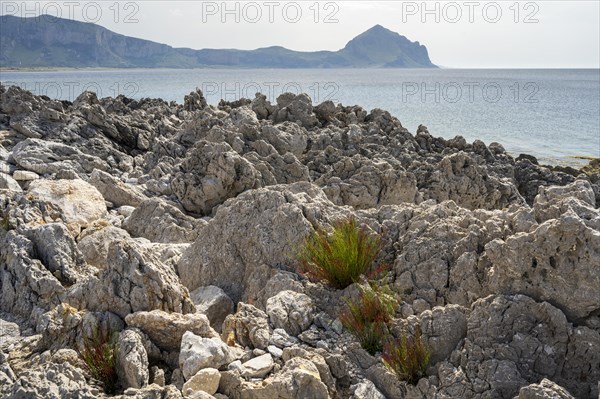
176	225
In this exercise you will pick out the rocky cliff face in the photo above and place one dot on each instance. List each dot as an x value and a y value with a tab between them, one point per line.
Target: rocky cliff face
48	41
379	45
153	219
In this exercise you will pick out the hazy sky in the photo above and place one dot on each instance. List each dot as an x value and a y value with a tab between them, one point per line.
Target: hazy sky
468	34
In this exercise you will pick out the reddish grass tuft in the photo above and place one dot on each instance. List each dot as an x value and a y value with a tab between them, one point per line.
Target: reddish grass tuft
367	318
341	256
407	357
100	356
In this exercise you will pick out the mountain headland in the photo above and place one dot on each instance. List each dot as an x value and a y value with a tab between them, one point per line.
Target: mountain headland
49	41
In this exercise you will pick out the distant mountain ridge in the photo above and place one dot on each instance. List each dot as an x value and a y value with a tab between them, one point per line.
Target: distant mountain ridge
57	42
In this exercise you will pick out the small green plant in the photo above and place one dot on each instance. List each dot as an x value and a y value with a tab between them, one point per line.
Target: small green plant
407	357
100	356
367	317
341	256
5	223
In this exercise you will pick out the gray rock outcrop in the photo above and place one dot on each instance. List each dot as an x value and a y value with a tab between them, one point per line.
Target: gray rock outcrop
198	353
132	359
133	281
214	303
161	222
210	174
546	389
292	311
261	248
178	226
166	329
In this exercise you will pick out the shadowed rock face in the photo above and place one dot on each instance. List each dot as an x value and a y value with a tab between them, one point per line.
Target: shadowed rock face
168	223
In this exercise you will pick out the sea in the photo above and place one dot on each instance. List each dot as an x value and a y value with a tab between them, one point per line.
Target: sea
553	114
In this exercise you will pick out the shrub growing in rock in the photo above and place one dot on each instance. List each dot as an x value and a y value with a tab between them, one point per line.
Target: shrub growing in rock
5	223
407	357
341	256
100	356
367	317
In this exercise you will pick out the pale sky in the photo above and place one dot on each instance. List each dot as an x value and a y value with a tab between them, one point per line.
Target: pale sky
484	34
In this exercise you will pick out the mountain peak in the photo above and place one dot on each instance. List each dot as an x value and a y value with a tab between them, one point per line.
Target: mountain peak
379	31
378	27
379	45
33	42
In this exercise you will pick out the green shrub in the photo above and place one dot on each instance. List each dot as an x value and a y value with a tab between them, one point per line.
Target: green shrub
5	223
407	357
367	318
100	356
341	256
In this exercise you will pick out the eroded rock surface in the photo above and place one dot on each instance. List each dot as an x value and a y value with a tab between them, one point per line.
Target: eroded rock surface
157	220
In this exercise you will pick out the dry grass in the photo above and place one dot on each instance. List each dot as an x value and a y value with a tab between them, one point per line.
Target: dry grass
341	256
407	357
367	317
100	356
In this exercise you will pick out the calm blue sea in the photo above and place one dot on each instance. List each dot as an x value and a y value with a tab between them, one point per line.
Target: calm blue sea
552	114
